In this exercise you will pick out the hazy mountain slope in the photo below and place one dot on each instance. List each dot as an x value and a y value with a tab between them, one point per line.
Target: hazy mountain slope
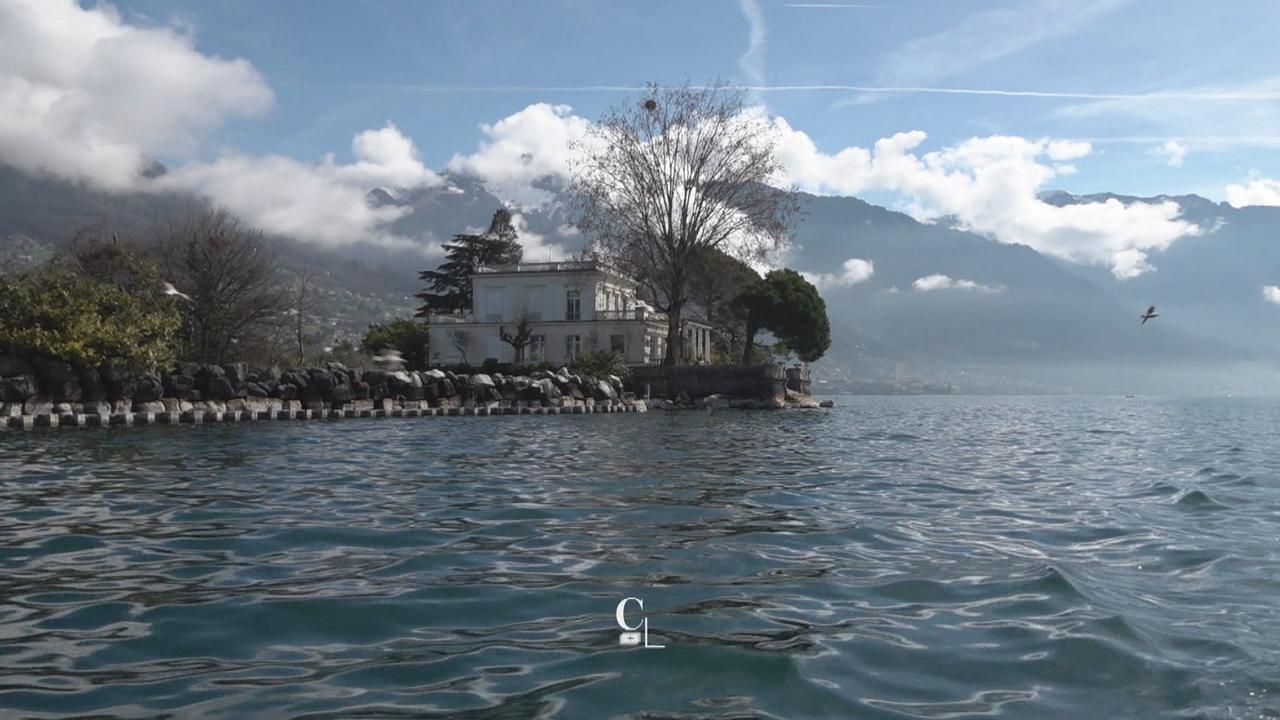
1212	283
1037	312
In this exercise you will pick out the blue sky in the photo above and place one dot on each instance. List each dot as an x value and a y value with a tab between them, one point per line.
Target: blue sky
339	67
288	112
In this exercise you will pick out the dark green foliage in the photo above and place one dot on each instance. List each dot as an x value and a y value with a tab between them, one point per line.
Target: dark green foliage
600	364
449	285
787	305
407	336
717	279
55	312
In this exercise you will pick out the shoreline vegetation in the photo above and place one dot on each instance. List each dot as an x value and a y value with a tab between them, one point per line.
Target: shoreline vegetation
53	393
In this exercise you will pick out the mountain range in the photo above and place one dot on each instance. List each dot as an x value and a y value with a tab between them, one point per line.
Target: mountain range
1010	318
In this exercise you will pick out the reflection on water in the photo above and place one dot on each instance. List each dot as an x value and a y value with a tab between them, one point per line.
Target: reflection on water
909	557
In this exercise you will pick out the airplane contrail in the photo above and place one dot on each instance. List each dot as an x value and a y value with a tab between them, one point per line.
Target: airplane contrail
997	92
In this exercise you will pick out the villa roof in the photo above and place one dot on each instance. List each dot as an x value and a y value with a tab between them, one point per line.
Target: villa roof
563	266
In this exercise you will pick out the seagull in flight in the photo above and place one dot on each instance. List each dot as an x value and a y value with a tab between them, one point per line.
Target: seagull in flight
390	359
1149	314
169	289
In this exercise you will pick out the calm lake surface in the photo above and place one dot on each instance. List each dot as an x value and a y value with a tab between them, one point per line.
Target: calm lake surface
896	557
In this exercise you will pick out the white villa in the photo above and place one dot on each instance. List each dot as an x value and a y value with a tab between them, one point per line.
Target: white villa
572	307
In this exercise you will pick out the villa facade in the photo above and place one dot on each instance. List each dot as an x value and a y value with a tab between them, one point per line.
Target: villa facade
573	308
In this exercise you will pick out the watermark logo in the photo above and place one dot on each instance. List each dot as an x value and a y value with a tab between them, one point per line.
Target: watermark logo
633	635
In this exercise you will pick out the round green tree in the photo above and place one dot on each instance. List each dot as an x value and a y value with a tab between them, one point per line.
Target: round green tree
787	305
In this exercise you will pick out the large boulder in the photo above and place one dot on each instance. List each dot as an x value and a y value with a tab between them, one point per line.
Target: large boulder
374	378
38	405
311	399
220	389
58	380
549	390
482	380
297	378
12	366
287	391
145	388
400	384
324	380
18	389
435	374
237	373
207	372
179	386
605	391
359	390
92	386
340	394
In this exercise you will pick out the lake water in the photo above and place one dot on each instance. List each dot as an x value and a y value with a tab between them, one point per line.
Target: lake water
896	557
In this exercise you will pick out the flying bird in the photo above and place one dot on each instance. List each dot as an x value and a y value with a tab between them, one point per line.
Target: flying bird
1149	314
169	289
390	359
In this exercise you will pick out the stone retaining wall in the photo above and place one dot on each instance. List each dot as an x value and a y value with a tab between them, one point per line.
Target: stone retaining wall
761	382
293	412
53	394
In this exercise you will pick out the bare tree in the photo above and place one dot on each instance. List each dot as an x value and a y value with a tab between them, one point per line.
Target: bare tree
303	299
459	339
683	171
522	336
231	277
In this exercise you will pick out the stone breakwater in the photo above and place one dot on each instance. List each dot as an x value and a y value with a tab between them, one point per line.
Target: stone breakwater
53	394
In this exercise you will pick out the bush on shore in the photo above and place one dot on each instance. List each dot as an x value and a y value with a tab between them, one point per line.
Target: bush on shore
53	312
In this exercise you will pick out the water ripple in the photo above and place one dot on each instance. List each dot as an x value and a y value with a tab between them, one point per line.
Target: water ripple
909	557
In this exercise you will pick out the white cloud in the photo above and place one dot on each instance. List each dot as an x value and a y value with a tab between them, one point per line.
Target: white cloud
1175	151
536	247
85	96
854	271
522	150
1271	293
938	281
1259	191
322	202
991	185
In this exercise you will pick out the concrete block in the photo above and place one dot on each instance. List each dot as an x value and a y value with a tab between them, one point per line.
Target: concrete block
50	421
122	418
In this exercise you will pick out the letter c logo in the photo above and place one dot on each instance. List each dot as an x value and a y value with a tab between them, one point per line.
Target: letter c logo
621	613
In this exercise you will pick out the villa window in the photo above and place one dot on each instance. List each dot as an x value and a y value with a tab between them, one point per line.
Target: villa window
572	347
537	350
618	343
573	305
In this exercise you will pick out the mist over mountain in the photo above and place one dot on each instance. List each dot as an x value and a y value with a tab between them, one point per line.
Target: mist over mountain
941	305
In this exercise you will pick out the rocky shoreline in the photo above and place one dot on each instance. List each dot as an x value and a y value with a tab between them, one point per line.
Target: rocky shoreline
55	394
52	394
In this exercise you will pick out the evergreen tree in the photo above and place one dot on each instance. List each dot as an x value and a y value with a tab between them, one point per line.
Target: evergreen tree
449	285
787	305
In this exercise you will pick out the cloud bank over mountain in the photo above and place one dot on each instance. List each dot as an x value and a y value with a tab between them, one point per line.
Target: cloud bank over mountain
87	96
